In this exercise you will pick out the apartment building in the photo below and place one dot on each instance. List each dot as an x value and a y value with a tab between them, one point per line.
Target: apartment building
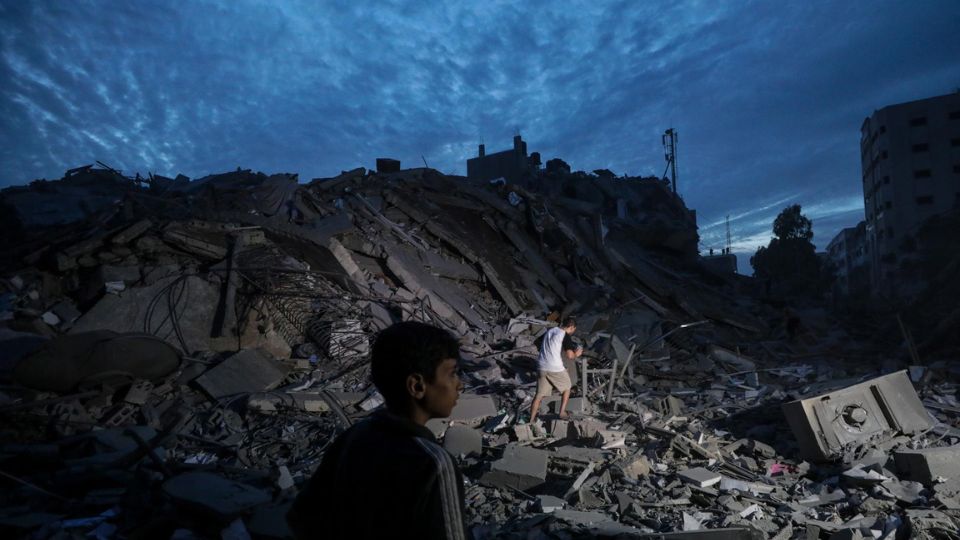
910	155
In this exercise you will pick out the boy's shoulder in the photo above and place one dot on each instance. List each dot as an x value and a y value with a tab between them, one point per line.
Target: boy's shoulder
389	434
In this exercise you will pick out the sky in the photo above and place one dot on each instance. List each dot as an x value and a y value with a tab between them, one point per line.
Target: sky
767	97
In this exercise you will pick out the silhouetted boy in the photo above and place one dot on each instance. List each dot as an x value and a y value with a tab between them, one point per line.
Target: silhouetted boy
386	477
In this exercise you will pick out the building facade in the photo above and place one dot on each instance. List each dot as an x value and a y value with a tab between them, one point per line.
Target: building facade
513	165
847	257
910	157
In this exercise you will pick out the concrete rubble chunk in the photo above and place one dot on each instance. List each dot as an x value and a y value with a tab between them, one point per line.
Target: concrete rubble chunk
699	477
549	503
520	468
245	372
463	441
471	409
928	465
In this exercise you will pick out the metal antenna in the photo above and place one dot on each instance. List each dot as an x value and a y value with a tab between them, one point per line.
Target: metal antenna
670	154
729	242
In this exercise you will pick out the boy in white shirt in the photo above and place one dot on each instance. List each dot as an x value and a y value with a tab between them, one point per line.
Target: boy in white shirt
553	375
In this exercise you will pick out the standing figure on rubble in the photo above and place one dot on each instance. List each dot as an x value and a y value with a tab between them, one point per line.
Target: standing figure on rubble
386	477
552	373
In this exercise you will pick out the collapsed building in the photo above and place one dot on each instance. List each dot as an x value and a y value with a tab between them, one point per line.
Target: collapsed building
177	355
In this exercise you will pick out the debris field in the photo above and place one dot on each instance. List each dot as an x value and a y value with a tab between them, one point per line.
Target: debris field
177	355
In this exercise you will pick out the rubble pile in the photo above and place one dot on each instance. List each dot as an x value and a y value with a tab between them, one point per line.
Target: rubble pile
178	354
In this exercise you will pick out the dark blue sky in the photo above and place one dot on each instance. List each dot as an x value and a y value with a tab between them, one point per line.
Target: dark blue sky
767	96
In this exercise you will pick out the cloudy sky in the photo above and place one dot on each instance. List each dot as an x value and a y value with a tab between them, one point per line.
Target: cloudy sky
767	96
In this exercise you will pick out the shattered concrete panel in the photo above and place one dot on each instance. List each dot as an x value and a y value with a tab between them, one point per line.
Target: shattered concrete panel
520	468
245	372
147	309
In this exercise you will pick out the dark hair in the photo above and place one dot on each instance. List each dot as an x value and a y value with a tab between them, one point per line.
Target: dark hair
569	321
404	349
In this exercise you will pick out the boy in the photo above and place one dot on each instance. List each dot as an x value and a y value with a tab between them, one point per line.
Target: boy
386	477
553	375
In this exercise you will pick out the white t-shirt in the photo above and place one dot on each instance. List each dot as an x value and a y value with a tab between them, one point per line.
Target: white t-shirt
550	351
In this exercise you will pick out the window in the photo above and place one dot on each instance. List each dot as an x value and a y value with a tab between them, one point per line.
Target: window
955	142
890	232
883	154
956	168
955	115
926	199
922	173
922	147
886	179
883	129
888	205
917	122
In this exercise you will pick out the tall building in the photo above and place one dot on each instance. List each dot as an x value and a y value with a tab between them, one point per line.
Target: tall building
910	154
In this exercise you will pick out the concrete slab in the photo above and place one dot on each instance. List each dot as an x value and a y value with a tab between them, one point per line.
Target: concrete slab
927	464
576	405
580	453
520	468
245	372
733	533
463	441
146	309
549	503
699	477
214	493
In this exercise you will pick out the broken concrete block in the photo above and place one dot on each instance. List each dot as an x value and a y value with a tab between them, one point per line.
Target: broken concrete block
523	432
520	468
587	429
927	464
549	503
699	477
732	484
245	372
826	424
214	493
635	467
669	406
575	405
463	441
559	429
608	439
471	409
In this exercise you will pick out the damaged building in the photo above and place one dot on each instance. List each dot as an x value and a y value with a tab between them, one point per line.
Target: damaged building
178	355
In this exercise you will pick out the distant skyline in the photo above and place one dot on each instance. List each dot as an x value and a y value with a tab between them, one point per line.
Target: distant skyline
767	97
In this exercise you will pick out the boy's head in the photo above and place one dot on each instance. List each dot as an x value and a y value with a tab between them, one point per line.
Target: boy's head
414	366
569	325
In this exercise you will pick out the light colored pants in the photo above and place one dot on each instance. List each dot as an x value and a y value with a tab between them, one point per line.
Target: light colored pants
550	380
